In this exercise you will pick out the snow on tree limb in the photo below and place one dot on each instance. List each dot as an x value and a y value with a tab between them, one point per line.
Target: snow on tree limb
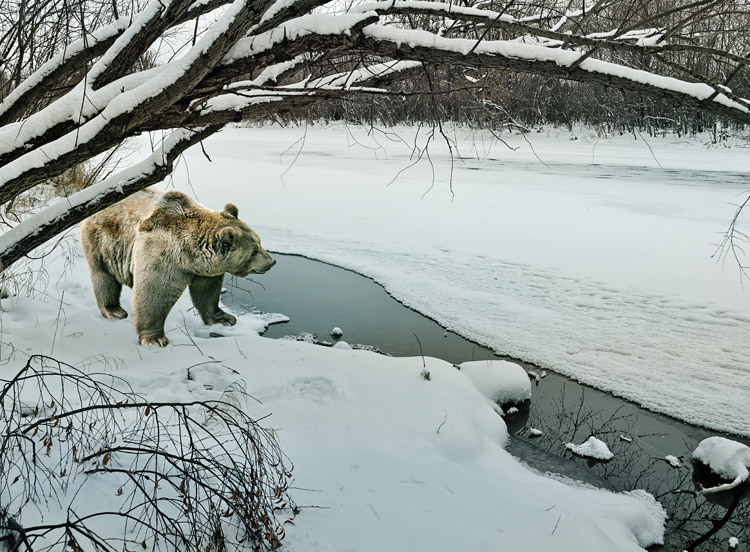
58	69
124	113
531	58
243	100
78	53
638	41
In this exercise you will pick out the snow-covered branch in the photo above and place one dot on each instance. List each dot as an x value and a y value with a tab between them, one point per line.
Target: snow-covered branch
64	66
552	62
637	41
122	116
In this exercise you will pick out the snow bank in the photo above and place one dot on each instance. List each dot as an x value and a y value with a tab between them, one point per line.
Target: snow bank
499	380
649	522
384	459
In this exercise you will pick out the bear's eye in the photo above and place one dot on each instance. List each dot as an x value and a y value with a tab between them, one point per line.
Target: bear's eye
225	241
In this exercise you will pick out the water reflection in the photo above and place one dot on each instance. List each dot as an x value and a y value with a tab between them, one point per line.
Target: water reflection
696	522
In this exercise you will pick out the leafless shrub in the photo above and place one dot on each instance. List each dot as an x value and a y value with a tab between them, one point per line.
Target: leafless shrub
86	463
74	179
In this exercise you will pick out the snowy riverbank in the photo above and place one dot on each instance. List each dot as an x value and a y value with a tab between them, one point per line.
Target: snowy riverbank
384	459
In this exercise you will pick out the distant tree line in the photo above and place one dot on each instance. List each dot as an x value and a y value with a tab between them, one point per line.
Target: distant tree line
523	102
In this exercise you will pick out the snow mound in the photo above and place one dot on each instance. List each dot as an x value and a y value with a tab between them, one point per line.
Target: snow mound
499	380
727	458
592	448
647	524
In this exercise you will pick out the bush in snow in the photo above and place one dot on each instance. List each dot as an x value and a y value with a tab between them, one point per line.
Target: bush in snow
86	463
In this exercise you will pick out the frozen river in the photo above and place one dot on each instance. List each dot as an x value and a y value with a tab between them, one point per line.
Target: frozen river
589	257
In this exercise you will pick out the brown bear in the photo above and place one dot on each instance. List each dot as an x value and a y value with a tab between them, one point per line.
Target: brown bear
160	243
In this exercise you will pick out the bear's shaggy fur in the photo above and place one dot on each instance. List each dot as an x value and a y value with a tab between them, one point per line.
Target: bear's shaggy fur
160	243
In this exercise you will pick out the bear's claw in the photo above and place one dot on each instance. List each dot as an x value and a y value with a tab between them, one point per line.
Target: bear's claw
224	318
161	341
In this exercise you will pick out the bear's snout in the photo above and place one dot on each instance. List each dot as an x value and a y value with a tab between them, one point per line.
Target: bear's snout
265	268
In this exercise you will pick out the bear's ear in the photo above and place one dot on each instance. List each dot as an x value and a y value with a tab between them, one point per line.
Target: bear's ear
231	209
225	239
174	203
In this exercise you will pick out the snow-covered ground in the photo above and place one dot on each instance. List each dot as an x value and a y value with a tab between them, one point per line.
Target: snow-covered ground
591	257
602	271
384	459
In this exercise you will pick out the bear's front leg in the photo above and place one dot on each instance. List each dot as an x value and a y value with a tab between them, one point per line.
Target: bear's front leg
155	291
205	292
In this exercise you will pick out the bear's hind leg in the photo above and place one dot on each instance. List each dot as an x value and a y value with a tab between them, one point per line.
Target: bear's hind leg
153	298
205	292
107	292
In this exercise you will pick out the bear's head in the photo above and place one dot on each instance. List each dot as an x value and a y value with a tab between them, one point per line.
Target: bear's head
206	242
239	246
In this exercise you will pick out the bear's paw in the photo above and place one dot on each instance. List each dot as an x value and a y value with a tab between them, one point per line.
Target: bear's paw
114	312
223	318
161	341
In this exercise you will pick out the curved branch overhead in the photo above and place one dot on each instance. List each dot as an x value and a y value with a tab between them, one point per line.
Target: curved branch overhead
560	64
214	62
